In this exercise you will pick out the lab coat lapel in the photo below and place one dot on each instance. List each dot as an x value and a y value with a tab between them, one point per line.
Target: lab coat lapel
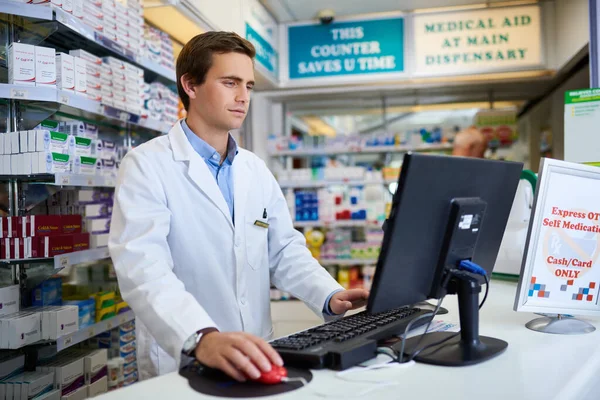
241	185
198	170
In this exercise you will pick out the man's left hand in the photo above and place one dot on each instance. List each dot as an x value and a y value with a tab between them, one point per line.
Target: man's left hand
348	300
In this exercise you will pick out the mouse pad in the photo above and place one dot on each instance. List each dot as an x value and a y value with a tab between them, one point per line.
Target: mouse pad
215	383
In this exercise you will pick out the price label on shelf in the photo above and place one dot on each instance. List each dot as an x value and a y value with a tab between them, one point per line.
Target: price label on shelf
122	320
64	99
109	325
124	116
19	94
91	333
64	261
68	340
90	182
65	180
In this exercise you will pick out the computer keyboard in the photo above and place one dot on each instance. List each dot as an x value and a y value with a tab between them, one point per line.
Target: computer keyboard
345	342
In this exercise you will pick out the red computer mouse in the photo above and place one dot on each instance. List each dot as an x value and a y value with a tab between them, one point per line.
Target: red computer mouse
274	376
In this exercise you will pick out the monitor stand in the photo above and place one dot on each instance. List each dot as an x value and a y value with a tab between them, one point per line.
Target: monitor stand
427	306
560	325
468	347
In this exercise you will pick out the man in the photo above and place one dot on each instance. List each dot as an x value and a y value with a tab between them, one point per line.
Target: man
200	229
470	143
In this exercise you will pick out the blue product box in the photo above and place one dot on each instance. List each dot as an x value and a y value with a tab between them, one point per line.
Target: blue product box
87	311
47	293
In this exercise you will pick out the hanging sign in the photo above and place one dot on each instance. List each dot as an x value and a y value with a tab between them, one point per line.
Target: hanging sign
346	48
561	266
493	39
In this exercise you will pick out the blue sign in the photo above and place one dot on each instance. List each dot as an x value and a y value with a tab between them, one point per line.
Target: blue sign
346	48
265	54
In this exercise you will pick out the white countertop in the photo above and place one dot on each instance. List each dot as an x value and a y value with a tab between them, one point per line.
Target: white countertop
535	366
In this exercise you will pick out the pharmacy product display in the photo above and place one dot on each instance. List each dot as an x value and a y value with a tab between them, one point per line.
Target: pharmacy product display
78	97
422	139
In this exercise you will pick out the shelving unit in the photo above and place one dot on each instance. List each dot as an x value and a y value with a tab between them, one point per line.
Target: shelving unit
321	184
337	224
89	332
63	260
362	150
75	105
346	262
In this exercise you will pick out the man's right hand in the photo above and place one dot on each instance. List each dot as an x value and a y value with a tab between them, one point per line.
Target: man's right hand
238	354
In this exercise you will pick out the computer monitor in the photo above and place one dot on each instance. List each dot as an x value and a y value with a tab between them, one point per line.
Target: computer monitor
446	209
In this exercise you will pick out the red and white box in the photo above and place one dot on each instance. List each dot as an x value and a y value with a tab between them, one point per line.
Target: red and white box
55	245
51	225
45	66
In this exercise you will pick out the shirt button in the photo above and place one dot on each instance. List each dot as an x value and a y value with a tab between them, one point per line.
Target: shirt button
216	157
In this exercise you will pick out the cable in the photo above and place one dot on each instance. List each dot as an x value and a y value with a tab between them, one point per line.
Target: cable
432	315
487	289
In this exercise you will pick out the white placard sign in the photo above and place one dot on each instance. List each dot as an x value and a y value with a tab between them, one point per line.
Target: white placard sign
560	273
494	39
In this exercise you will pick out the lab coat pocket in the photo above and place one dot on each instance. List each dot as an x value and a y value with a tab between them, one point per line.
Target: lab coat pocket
256	244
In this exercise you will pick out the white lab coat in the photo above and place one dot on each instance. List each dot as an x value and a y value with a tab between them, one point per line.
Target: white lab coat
181	263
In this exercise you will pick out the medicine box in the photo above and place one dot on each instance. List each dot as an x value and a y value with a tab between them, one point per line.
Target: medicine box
21	64
65	72
45	66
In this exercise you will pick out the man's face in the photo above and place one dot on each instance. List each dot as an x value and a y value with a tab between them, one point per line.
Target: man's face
223	99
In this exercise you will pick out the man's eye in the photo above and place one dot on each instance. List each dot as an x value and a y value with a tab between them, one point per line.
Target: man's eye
229	83
250	87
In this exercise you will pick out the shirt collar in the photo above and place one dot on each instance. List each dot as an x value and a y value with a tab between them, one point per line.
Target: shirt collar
205	150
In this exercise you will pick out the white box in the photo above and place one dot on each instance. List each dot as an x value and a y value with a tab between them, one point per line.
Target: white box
6	165
98	387
67	372
99	225
91	9
84	165
26	167
80	76
45	66
93	82
99	240
67	5
93	22
79	394
14	164
52	163
94	363
14	143
7	143
53	141
59	321
94	94
65	72
24	141
9	300
53	395
35	383
93	70
83	146
57	3
30	141
20	329
21	64
89	57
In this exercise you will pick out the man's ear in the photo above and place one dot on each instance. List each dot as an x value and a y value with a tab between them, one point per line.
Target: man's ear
189	86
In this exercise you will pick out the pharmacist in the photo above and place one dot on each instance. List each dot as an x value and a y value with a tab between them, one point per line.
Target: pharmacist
200	229
470	143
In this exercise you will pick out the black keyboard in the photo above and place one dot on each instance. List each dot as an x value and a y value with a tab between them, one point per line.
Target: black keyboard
345	342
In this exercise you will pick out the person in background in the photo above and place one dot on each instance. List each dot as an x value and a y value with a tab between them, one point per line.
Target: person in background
200	229
470	143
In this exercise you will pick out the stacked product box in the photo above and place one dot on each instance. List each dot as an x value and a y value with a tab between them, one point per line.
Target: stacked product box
161	103
126	84
95	204
50	148
121	346
74	7
41	236
31	65
93	66
69	374
160	47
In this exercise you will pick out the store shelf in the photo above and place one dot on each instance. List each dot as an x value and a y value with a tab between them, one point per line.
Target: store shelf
100	45
26	10
64	180
89	332
346	262
321	184
362	150
78	106
337	224
63	260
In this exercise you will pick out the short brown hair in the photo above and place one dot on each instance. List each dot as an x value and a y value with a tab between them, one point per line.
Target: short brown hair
195	58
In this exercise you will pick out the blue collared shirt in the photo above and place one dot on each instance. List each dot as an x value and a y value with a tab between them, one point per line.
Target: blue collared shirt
222	174
221	171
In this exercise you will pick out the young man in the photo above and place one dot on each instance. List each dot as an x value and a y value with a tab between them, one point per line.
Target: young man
470	143
200	229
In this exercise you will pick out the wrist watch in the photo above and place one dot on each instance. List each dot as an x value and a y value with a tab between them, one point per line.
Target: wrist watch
189	346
